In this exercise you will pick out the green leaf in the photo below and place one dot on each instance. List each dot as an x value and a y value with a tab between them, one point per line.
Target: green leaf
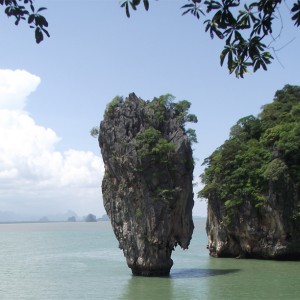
38	35
30	19
136	2
256	66
263	65
218	33
41	21
46	32
127	10
187	11
238	36
230	63
296	16
41	9
223	55
146	4
188	6
133	6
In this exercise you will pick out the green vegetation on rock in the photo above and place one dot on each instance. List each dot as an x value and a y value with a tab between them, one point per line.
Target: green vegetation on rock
155	145
261	152
113	104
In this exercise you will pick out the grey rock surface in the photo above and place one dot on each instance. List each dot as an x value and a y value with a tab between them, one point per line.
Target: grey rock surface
148	197
265	232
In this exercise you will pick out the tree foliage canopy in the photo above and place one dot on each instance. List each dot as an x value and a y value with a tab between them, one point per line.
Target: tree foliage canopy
259	150
24	10
244	28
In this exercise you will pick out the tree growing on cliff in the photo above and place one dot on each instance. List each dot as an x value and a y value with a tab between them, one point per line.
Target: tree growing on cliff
246	29
260	151
160	104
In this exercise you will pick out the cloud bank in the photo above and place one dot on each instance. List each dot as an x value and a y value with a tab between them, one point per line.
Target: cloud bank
34	176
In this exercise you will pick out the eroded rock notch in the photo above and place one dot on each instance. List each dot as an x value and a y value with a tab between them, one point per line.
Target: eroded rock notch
147	186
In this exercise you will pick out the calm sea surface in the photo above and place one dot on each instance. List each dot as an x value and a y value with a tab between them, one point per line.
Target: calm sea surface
62	261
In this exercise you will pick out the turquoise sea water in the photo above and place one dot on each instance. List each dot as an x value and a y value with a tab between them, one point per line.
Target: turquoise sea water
62	261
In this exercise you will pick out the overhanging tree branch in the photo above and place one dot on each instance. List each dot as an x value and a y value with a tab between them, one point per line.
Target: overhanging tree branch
243	27
24	10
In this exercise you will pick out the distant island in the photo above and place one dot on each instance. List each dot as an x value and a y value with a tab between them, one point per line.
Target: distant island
69	216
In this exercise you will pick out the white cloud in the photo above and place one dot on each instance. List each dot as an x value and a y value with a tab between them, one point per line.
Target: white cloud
34	176
15	86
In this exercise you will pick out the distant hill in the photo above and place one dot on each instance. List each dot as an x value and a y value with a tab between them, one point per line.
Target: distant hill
10	217
63	216
104	218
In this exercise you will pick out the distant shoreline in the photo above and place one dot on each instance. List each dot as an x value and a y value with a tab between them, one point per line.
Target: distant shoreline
195	218
41	222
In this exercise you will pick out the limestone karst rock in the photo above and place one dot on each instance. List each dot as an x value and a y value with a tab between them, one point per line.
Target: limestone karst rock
252	183
267	232
147	186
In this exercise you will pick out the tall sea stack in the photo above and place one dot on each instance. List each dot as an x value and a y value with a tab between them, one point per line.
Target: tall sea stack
147	186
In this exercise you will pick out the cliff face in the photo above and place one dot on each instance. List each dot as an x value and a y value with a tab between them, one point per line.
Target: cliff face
252	183
147	186
270	232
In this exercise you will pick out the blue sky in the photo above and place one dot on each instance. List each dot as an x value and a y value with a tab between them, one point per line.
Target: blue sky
95	53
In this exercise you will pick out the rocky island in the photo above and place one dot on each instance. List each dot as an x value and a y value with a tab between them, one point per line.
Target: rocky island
147	187
252	183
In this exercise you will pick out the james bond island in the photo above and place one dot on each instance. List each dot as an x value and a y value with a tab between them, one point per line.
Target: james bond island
147	187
